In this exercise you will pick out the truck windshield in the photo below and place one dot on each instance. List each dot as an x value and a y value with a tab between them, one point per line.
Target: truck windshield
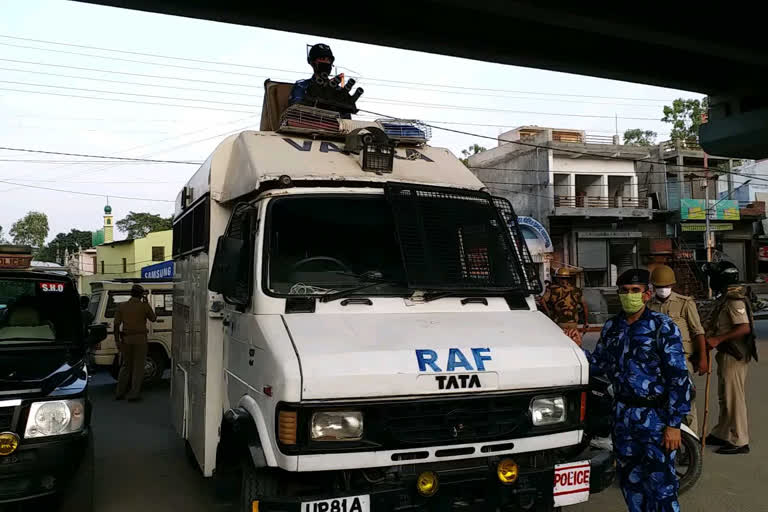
38	311
325	244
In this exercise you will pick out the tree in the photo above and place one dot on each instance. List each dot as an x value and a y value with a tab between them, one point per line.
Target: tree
63	243
30	230
685	117
471	150
140	224
638	137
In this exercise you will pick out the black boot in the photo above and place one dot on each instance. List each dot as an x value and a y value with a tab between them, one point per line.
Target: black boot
733	450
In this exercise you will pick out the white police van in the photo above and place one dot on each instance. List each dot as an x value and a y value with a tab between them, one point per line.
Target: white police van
354	329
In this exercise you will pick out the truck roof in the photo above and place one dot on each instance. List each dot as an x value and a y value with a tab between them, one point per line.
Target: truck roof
243	162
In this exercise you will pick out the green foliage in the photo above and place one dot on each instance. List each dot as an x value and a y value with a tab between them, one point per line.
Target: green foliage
140	224
63	243
685	117
30	230
638	137
471	150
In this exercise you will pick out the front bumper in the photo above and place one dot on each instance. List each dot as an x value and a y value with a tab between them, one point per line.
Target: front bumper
42	468
471	484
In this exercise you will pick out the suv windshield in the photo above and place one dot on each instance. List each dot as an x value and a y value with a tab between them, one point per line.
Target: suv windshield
38	310
394	245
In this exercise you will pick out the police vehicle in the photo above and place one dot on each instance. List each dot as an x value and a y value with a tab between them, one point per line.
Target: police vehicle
46	447
355	330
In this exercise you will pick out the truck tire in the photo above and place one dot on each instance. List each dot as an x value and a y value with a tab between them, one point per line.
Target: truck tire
255	485
154	366
690	453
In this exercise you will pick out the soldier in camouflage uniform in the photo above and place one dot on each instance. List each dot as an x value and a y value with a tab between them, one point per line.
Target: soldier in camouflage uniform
564	299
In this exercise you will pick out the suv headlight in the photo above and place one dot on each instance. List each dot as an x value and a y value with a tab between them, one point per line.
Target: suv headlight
548	411
337	426
54	418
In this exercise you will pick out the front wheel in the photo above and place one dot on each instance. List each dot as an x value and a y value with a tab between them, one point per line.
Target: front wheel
256	483
689	462
154	366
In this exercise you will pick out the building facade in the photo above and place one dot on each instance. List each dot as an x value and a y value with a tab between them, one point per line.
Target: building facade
606	207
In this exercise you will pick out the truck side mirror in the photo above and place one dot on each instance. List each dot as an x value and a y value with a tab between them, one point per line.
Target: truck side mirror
230	269
96	333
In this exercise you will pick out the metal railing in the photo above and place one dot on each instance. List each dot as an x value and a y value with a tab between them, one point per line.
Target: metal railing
602	202
588	138
670	146
601	139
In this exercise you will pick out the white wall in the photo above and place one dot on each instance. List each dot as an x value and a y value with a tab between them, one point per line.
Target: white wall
592	166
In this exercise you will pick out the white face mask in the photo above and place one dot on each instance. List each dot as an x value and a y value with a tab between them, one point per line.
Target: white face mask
663	293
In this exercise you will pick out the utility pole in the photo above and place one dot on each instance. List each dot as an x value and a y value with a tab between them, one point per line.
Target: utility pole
707	240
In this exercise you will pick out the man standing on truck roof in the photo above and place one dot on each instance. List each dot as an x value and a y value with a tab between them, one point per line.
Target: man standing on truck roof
131	338
641	353
321	59
682	310
563	299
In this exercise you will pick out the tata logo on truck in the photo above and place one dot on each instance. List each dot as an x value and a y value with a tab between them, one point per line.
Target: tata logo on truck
429	361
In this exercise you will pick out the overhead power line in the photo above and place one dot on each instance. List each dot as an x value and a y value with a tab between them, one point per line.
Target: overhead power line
78	192
123	100
251	66
218	91
106	157
561	149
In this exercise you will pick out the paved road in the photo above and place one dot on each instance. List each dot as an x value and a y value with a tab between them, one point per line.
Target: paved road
142	466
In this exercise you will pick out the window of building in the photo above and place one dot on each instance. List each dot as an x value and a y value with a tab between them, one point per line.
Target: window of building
125	265
102	266
158	253
109	221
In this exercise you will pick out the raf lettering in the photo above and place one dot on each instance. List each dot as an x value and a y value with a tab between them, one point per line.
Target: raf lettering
429	361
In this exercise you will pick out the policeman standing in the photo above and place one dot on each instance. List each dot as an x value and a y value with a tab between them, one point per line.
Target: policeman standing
131	338
563	300
682	310
730	332
641	353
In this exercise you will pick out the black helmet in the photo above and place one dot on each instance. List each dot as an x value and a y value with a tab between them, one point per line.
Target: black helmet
634	276
320	50
721	275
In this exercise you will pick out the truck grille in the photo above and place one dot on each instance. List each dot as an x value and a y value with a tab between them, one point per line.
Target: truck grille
449	421
6	418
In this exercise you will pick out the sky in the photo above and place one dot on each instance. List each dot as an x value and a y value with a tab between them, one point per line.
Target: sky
93	80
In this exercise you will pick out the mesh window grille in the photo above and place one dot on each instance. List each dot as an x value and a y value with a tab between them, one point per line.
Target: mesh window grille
458	239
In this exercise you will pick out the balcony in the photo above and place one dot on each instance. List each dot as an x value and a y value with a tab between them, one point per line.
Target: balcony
602	202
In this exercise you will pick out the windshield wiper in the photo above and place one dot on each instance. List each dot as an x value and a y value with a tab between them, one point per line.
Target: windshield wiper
430	295
369	282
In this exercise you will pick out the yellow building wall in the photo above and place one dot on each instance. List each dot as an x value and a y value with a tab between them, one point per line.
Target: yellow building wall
137	253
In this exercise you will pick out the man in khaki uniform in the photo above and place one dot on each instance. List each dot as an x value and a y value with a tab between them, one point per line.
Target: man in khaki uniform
563	300
730	332
682	310
131	338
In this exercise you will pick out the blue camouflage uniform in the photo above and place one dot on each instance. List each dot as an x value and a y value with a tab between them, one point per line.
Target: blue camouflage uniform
645	364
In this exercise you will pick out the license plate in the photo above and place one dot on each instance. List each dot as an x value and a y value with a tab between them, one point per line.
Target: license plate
348	504
571	483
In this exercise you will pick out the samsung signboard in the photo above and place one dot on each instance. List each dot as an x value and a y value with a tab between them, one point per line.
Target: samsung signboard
162	270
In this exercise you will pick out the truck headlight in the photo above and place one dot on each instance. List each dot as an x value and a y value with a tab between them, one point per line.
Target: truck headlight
337	426
548	411
54	418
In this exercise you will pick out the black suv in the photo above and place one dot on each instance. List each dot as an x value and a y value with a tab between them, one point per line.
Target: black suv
46	448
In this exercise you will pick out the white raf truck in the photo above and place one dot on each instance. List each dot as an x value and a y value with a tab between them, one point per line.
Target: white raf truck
354	329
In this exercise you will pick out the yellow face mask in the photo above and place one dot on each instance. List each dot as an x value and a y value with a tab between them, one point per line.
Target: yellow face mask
631	302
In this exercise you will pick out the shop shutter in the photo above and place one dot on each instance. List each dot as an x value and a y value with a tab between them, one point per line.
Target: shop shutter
592	254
